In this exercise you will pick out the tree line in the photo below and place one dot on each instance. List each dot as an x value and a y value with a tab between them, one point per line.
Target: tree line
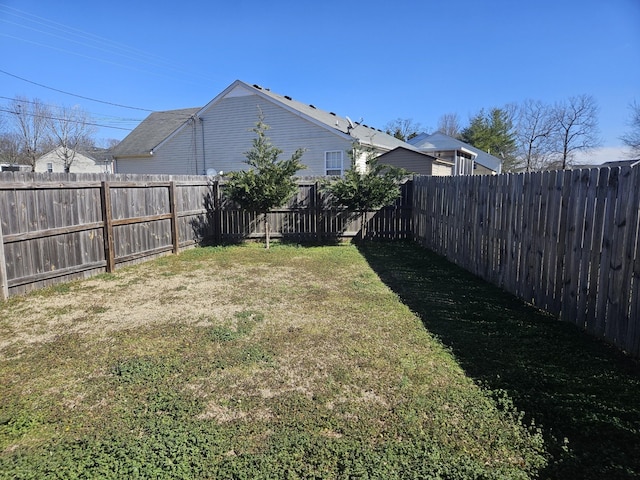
532	135
29	128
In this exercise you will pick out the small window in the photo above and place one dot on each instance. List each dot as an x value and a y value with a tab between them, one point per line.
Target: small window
333	163
50	167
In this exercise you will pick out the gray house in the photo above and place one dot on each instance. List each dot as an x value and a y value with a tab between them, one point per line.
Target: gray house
417	162
467	159
621	163
214	138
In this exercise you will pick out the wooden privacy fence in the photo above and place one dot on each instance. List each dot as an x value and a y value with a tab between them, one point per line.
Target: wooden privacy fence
59	227
565	241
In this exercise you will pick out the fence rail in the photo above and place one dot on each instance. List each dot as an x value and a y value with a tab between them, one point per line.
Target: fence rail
565	241
59	227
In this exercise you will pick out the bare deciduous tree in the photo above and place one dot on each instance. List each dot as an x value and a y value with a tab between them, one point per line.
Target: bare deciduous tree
403	128
71	130
534	132
9	148
576	127
449	124
28	119
632	138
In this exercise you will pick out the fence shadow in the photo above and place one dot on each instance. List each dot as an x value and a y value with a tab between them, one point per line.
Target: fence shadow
203	226
584	394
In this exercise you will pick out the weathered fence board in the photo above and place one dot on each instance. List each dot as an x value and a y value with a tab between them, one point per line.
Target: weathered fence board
566	241
4	281
58	227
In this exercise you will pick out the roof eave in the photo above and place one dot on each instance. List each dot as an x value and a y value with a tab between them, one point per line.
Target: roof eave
135	155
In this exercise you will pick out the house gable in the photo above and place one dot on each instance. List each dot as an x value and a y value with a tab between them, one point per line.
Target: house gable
217	136
83	162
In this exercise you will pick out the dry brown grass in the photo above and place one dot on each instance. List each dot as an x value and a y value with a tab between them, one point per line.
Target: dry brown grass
240	341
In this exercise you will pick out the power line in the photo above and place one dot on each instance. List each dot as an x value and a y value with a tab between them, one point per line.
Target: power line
51	105
82	96
49	117
68	30
92	41
76	95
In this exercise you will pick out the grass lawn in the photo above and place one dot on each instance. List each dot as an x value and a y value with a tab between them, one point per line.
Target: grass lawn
583	394
237	362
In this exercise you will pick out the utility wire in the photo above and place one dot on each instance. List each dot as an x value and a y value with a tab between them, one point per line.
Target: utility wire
52	105
76	95
49	117
92	41
82	96
70	31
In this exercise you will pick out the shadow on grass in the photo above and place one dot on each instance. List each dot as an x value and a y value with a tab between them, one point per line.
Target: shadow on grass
584	394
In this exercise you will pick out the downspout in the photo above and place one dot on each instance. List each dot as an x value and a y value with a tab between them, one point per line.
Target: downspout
195	141
204	157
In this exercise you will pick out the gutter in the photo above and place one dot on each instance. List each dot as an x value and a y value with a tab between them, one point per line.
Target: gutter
135	155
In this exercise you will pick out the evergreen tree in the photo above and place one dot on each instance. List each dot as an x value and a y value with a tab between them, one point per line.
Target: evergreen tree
269	182
360	192
493	133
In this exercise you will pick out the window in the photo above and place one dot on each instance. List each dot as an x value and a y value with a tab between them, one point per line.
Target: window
333	162
50	167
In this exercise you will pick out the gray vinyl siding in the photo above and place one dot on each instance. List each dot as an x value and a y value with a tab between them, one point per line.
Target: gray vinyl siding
482	170
412	162
228	135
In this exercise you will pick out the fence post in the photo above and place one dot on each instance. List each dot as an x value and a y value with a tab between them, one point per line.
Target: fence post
4	281
217	214
318	213
173	209
109	253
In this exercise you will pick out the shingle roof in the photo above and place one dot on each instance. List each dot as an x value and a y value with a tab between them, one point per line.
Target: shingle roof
621	163
439	141
344	125
159	125
152	131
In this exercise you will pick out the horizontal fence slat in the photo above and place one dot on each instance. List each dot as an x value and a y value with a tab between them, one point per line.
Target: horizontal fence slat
56	273
569	240
565	241
134	220
52	232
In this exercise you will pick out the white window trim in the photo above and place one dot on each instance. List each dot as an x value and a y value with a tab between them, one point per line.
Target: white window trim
341	161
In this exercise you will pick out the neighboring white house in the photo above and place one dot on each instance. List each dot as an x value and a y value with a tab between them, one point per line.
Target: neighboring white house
216	137
97	161
467	159
14	167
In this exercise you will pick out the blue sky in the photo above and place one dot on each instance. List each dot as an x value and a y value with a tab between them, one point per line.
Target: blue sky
376	60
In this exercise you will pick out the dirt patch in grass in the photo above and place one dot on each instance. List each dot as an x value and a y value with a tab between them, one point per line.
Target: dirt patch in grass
143	296
236	362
